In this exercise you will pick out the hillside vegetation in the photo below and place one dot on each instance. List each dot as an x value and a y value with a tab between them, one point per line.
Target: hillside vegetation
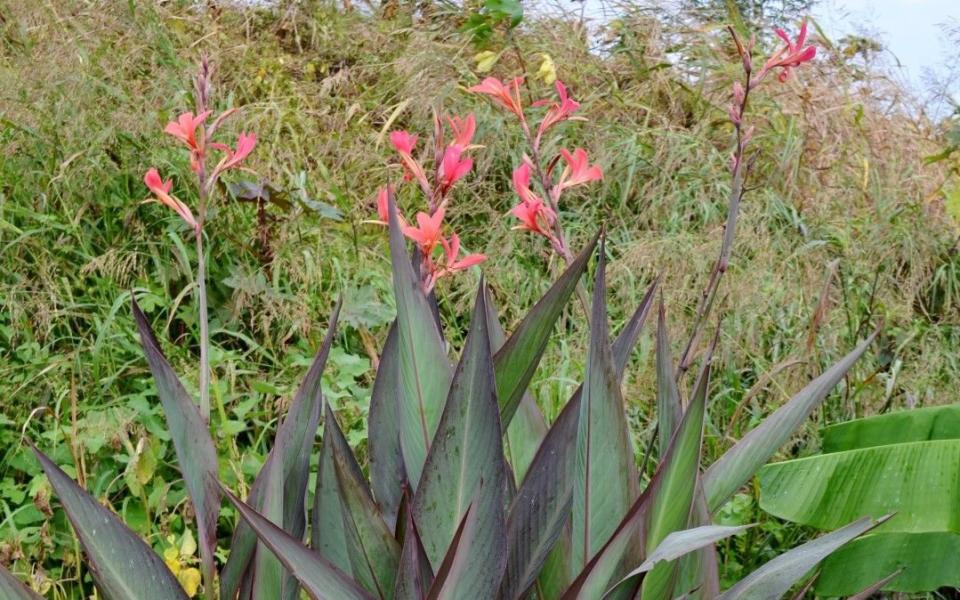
842	230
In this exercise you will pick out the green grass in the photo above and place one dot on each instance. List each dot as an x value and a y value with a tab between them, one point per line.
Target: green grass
86	87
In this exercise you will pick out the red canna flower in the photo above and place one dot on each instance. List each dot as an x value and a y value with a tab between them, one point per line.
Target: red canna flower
558	111
161	192
404	143
452	167
451	250
792	55
427	233
578	170
504	93
463	130
534	214
232	158
185	129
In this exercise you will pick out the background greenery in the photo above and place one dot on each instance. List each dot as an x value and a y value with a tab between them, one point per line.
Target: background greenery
845	228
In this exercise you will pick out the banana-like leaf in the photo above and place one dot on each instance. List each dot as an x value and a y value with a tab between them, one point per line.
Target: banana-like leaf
872	589
121	564
196	454
388	474
528	427
320	579
267	578
669	411
328	535
374	553
673	497
414	575
12	589
918	425
918	481
293	445
465	457
606	480
776	577
930	560
538	523
445	585
516	362
740	462
678	544
424	368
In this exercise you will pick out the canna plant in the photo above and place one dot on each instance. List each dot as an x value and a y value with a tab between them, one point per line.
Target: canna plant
469	494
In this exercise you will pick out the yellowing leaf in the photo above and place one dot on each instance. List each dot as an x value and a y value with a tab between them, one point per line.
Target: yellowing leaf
548	70
188	545
951	202
190	580
485	60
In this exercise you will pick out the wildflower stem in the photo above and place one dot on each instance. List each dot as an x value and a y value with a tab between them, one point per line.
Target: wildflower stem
204	327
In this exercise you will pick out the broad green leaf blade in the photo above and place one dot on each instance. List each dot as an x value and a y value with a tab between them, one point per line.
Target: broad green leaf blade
872	589
121	564
673	497
293	445
444	585
373	551
775	578
466	462
541	508
669	411
516	362
528	427
917	481
929	560
424	367
414	575
12	589
267	577
328	535
549	482
319	578
739	463
387	472
196	454
918	425
681	543
606	479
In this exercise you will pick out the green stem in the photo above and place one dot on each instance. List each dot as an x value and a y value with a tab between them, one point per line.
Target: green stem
204	330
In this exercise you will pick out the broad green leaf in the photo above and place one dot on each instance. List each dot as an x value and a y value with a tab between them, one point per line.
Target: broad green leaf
387	472
320	579
606	479
267	577
12	589
776	577
930	560
455	565
328	534
918	481
741	462
196	454
681	543
293	445
121	564
466	462
516	362
373	551
673	497
669	411
540	523
528	427
918	425
424	367
414	575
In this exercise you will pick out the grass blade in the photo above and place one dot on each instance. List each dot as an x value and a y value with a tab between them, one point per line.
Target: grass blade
121	564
